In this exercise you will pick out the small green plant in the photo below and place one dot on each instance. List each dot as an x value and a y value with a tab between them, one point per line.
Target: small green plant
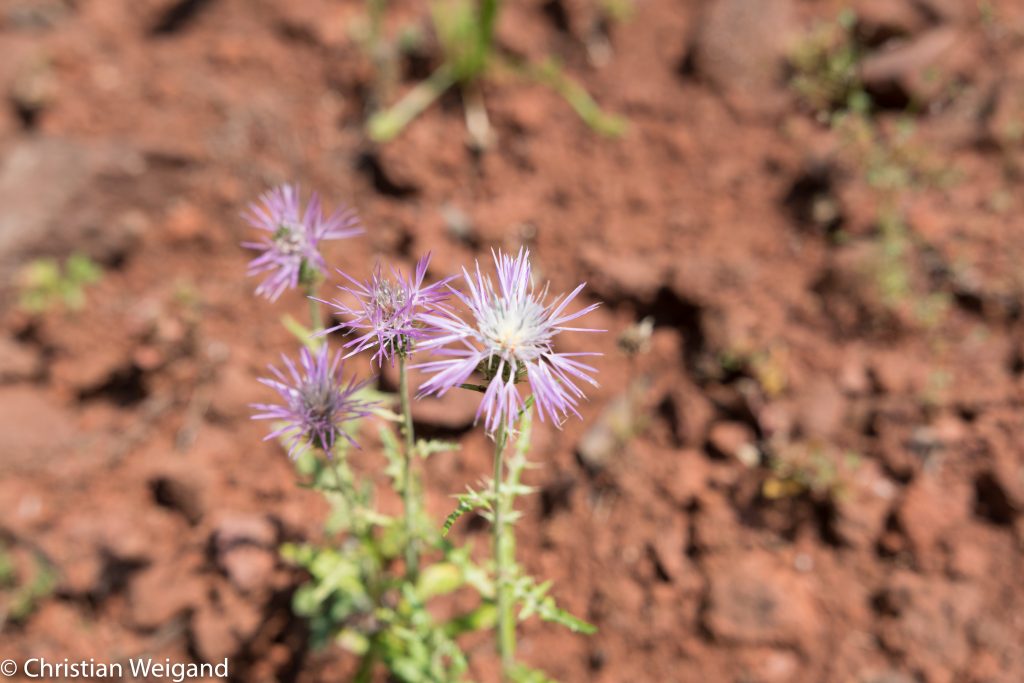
825	67
465	32
807	469
44	283
357	599
23	593
371	589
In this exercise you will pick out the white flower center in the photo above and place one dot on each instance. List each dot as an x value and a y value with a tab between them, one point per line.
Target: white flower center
290	239
516	329
389	298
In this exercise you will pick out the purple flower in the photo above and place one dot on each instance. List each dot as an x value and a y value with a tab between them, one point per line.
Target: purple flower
509	340
291	250
389	311
316	402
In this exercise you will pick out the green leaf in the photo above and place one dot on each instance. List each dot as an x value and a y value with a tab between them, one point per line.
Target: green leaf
449	522
301	332
482	618
428	447
439	579
534	599
524	674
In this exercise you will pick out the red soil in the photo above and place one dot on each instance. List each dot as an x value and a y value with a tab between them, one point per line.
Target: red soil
136	131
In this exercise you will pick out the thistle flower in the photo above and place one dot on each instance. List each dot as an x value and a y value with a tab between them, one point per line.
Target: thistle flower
509	341
389	311
316	401
291	249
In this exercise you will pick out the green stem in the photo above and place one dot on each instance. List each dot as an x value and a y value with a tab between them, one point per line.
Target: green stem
503	550
384	125
412	560
316	318
365	672
488	15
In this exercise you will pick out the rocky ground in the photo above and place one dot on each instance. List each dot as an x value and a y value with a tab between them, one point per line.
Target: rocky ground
811	471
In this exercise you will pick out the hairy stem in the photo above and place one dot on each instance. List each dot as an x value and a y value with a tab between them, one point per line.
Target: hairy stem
503	549
412	559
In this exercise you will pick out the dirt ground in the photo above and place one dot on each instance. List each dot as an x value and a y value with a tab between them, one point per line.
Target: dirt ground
812	471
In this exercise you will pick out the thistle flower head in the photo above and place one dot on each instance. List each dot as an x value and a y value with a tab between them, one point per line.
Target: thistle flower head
509	340
388	311
291	246
316	403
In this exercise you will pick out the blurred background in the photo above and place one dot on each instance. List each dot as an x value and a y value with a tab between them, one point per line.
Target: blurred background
801	216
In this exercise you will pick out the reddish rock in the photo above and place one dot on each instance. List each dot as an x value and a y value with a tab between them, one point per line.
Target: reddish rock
728	438
246	550
741	49
181	490
18	362
684	476
862	506
637	278
879	20
821	409
249	569
163	592
927	624
754	599
716	526
45	429
928	509
669	547
916	71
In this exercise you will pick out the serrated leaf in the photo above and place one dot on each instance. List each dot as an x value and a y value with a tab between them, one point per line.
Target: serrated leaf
428	447
449	522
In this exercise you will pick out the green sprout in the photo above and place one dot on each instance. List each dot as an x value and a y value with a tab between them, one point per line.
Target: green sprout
45	284
24	593
826	67
465	31
808	469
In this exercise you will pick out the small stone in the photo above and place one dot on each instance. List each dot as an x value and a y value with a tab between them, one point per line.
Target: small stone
180	491
185	222
741	49
18	362
754	600
685	475
928	510
729	438
881	20
669	547
244	529
45	429
235	386
861	510
212	635
821	409
249	568
626	278
916	71
163	592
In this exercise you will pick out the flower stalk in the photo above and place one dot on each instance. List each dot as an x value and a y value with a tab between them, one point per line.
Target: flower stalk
409	486
504	557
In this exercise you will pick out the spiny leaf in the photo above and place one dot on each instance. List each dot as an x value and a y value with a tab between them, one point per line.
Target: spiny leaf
449	522
428	447
534	599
